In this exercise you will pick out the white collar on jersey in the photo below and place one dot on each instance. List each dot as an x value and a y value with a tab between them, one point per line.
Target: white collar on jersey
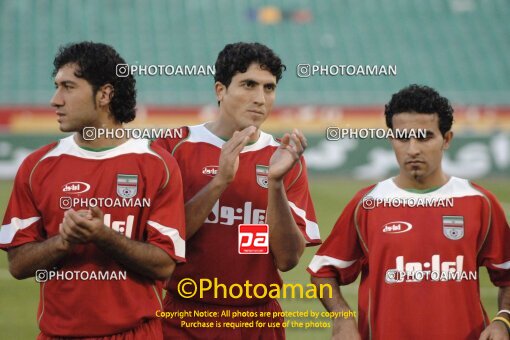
200	134
455	187
68	146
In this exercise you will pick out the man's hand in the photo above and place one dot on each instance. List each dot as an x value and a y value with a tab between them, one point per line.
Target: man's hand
229	157
283	159
82	226
495	331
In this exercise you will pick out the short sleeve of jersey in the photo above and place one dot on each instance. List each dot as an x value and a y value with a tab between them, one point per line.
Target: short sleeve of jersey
495	251
22	221
341	254
303	211
166	222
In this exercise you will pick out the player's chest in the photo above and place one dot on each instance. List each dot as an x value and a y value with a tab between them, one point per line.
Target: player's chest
119	189
456	228
431	244
198	168
244	200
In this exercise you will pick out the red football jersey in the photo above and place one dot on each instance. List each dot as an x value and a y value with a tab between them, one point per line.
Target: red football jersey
213	251
419	264
62	175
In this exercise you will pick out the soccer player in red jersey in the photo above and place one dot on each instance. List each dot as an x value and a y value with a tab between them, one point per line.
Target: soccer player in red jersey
418	240
234	173
99	266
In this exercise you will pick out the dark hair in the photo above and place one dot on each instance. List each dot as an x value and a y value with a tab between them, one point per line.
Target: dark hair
238	57
97	64
420	99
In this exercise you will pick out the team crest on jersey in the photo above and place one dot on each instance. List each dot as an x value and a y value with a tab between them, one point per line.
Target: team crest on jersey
453	227
262	171
127	185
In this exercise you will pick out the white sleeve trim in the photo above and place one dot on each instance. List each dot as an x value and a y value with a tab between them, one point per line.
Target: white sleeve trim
311	229
8	231
320	261
173	234
504	265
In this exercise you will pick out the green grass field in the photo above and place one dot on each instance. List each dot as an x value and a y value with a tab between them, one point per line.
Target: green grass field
19	299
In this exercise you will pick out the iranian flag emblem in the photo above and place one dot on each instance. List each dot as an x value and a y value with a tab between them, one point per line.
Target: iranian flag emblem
127	185
453	227
262	171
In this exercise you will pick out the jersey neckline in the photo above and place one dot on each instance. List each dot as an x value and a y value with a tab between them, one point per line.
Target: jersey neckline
98	151
202	134
422	191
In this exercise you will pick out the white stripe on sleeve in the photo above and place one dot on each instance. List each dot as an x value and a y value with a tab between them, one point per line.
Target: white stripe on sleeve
312	229
504	265
173	234
8	231
320	261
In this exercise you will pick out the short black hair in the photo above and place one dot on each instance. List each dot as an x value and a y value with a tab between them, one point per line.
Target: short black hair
420	99
97	64
238	57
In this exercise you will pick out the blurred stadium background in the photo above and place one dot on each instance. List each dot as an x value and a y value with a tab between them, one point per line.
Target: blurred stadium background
460	47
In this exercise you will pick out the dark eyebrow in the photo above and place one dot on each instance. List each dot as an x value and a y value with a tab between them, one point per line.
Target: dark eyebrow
249	81
66	82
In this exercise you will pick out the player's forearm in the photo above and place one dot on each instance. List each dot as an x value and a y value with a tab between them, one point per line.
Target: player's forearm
142	258
26	259
200	205
334	302
285	240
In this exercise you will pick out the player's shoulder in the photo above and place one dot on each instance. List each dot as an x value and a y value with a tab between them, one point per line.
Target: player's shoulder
31	161
369	192
464	188
173	139
364	192
34	157
483	191
352	208
43	150
163	154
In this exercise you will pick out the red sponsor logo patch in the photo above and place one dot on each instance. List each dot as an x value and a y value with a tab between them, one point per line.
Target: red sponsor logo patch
397	227
75	187
253	239
210	170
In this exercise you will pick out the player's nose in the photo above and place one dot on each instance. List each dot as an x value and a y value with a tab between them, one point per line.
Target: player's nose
56	100
259	96
414	147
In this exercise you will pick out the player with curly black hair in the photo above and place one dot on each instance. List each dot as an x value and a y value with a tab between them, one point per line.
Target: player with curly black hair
84	219
248	208
239	56
418	240
97	64
422	99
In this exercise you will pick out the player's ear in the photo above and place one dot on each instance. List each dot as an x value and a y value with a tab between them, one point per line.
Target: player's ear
447	139
220	90
104	95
